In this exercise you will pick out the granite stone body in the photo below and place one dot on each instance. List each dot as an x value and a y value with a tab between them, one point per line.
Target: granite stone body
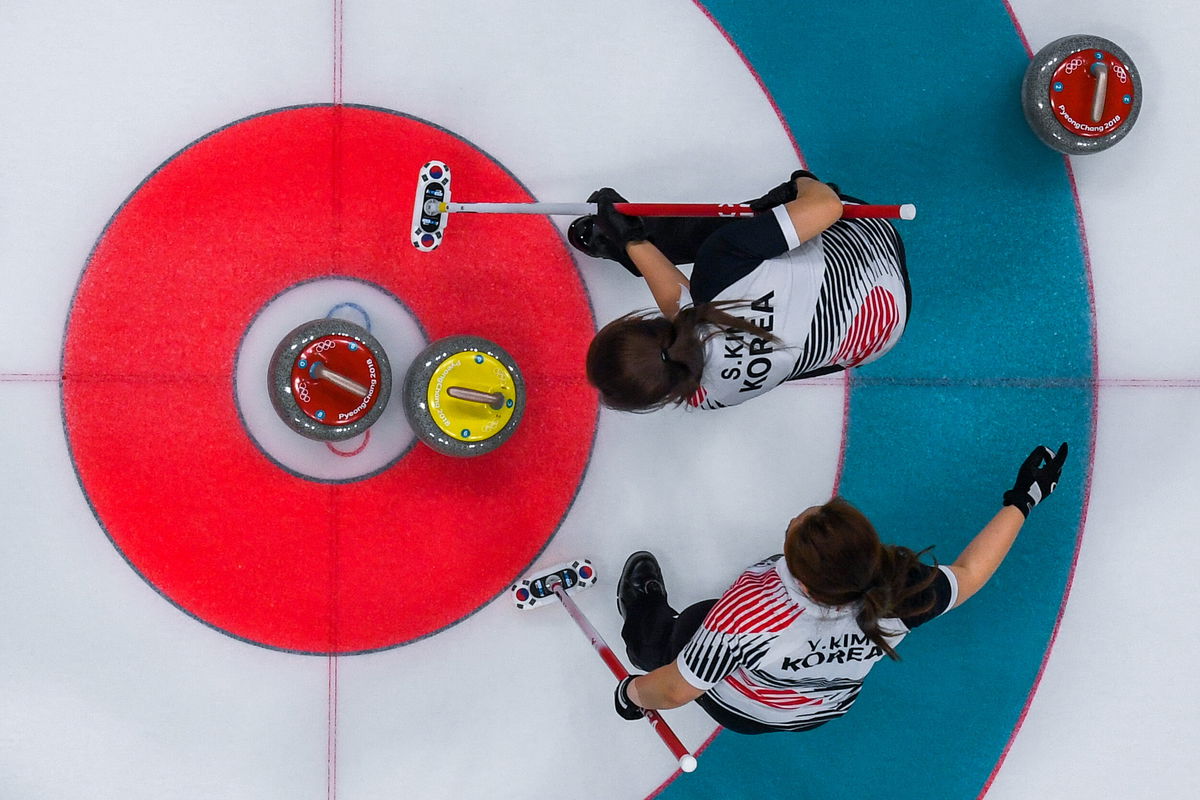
280	373
416	390
1040	112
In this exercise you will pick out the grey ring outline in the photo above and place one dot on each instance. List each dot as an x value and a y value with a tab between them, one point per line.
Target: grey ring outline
75	464
1035	89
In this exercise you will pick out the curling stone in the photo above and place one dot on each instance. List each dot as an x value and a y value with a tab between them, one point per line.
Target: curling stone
1081	94
329	380
463	396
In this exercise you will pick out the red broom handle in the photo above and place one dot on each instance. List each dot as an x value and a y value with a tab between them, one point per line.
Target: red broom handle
687	762
684	209
904	211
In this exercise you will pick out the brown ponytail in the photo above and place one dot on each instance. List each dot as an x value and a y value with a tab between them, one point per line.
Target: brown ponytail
834	551
643	361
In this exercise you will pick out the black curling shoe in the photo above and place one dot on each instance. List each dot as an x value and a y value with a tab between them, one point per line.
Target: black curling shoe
584	237
641	579
579	234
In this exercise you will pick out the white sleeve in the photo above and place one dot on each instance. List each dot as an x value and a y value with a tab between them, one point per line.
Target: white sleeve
953	586
787	226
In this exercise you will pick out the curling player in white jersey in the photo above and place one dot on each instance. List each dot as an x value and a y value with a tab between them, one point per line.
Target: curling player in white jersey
788	646
794	292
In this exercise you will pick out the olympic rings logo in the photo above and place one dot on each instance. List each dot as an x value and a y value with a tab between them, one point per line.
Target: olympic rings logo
1077	62
321	347
302	390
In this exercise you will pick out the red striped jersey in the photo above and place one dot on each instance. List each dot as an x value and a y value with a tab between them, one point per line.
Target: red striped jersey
769	653
835	301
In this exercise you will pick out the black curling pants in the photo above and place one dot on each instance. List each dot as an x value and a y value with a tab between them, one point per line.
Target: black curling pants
678	238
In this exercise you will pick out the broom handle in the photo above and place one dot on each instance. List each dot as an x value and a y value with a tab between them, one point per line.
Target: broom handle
659	724
905	211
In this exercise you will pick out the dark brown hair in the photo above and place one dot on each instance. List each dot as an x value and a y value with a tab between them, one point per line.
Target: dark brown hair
643	361
836	554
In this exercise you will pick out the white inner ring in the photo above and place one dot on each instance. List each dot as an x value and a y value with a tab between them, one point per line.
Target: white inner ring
355	301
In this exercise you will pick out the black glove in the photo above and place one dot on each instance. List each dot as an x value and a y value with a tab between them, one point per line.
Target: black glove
1037	478
626	707
616	227
783	193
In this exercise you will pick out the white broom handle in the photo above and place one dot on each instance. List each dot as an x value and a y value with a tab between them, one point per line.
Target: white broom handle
564	209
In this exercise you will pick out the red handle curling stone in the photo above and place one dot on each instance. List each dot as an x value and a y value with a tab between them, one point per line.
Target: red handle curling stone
329	380
1081	94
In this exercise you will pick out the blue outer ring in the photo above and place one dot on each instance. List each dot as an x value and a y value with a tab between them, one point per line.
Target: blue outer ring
997	358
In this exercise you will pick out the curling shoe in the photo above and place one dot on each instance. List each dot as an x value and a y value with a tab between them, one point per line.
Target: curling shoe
584	237
641	580
580	233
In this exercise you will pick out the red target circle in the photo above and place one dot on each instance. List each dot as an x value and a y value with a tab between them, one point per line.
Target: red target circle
149	402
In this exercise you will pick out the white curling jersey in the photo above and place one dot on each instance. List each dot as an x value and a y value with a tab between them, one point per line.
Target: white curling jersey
836	301
769	653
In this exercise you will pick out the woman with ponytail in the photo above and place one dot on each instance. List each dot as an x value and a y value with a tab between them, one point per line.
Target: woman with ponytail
792	293
788	646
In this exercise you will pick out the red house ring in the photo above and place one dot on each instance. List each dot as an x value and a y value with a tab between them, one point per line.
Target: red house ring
148	397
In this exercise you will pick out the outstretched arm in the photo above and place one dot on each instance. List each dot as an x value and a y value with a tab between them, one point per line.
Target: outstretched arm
1036	479
978	562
